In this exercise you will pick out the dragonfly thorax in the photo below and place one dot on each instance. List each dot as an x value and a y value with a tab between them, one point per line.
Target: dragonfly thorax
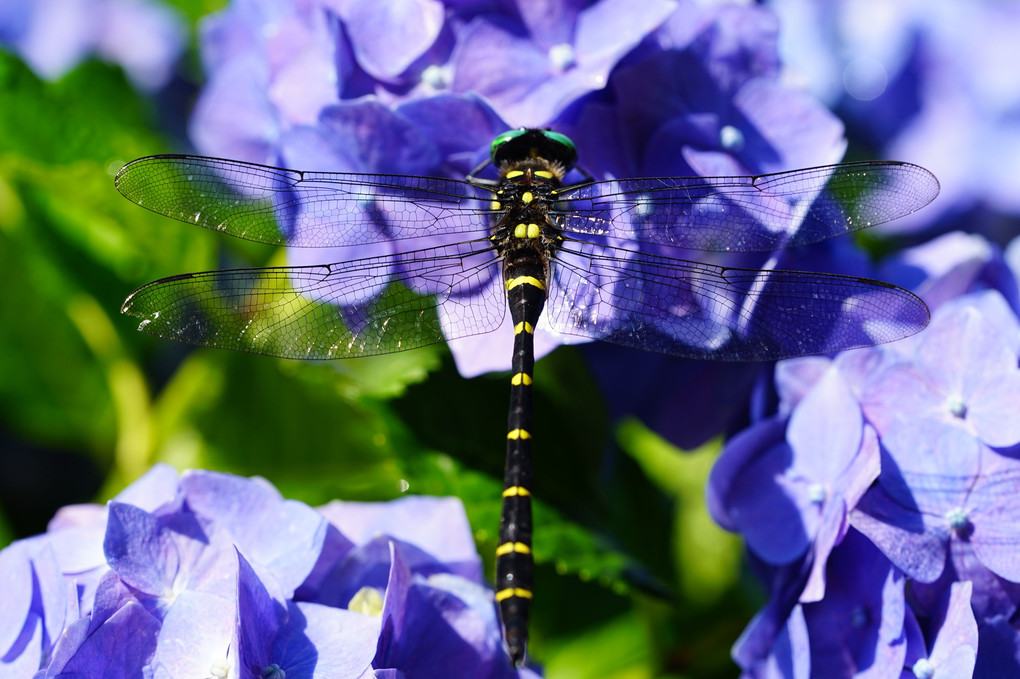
523	232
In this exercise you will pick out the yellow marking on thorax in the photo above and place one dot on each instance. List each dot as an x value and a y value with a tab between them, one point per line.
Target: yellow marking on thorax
505	594
527	197
495	205
524	280
526	231
515	434
523	326
521	378
544	174
516	491
511	547
514	173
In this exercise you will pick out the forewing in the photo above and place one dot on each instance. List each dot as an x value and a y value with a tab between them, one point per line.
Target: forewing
703	311
322	312
303	209
748	214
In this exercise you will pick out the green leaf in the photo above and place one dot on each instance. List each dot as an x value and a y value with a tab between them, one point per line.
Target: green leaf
707	558
90	114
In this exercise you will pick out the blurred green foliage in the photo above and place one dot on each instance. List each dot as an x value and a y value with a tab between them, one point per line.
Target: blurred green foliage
633	578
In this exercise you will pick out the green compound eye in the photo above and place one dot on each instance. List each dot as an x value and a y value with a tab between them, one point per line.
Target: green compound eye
502	139
561	139
518	145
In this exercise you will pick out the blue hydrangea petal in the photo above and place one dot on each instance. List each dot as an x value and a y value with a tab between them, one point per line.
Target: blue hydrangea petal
961	350
504	68
139	550
322	642
22	658
826	429
461	126
993	509
387	37
739	453
52	36
828	531
897	392
522	81
439	622
53	601
438	526
766	506
282	536
904	513
368	565
305	85
549	23
793	125
992	410
16	585
233	117
920	554
794	378
112	594
999	643
857	629
937	462
104	653
204	624
153	489
954	650
145	38
76	536
779	628
258	620
943	268
991	595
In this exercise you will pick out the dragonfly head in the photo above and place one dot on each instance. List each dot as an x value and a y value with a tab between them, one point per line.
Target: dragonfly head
516	146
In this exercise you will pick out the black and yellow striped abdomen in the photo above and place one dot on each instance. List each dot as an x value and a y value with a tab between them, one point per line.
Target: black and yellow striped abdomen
525	238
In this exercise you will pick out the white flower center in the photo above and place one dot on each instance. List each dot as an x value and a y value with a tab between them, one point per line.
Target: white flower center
731	138
561	56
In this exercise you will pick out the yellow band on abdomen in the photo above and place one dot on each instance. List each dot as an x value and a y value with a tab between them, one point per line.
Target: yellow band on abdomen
524	280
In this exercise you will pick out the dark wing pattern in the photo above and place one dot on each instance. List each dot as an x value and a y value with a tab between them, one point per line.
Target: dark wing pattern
704	311
303	209
748	214
362	307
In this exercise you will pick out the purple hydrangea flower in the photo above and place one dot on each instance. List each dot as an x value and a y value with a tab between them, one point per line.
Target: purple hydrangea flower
211	575
905	74
533	67
729	113
940	511
144	37
858	629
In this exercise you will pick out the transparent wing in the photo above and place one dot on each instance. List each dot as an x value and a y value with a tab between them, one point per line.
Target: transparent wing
362	307
303	209
703	311
748	214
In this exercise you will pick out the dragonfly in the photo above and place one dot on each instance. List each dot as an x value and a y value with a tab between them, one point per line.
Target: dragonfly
418	260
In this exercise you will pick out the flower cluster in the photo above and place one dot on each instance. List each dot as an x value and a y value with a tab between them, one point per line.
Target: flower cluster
212	575
144	37
423	86
881	501
929	82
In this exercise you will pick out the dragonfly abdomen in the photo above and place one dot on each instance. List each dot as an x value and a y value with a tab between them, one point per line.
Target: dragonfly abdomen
526	288
525	238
